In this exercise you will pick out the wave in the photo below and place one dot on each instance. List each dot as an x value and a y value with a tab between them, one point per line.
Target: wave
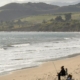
1	49
21	45
67	38
9	46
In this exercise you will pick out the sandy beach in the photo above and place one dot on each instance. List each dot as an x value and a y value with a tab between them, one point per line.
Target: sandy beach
47	70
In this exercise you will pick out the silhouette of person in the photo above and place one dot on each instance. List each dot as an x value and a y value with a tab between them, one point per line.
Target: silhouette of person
61	73
66	71
69	77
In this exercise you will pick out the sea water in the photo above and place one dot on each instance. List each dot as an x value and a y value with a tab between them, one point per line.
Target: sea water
28	49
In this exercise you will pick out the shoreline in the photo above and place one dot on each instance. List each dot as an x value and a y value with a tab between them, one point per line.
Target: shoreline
43	62
41	67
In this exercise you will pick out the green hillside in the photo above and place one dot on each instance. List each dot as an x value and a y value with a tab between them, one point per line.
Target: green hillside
39	17
43	23
15	11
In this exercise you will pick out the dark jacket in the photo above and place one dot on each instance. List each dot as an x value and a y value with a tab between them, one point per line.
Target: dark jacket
63	72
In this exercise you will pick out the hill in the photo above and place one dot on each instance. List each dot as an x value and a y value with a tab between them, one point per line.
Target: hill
15	11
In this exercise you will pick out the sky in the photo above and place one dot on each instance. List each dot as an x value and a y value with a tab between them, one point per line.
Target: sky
55	2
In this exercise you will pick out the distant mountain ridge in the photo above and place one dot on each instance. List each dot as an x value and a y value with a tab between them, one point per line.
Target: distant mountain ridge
42	6
14	11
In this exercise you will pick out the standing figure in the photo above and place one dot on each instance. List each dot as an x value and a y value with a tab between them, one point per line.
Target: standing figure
61	73
69	77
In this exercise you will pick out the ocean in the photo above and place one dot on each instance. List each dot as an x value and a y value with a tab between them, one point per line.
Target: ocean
20	50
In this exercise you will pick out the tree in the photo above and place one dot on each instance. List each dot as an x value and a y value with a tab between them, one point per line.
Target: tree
19	22
44	21
58	18
11	26
68	16
52	19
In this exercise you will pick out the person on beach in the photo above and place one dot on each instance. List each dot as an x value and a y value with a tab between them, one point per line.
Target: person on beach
69	77
62	73
66	71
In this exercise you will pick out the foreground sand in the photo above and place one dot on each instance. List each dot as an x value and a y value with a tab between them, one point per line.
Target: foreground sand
47	70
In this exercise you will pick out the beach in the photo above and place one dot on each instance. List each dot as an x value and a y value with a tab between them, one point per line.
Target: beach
38	55
47	71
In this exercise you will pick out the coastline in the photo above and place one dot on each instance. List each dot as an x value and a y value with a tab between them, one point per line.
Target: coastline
46	70
42	62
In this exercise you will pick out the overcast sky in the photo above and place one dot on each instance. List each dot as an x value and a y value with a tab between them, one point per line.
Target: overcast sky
55	2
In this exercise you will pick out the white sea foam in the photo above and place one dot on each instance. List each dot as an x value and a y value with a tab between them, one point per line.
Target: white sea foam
1	49
66	38
35	48
21	45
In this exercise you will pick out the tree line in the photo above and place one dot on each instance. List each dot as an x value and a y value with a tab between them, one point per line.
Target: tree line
57	24
67	17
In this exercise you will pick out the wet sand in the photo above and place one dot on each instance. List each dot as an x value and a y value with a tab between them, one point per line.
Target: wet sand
47	71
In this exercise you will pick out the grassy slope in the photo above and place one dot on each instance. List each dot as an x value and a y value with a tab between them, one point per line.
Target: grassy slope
32	20
40	18
76	16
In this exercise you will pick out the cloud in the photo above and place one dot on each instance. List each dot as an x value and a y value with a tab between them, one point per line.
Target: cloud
60	2
54	2
48	1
